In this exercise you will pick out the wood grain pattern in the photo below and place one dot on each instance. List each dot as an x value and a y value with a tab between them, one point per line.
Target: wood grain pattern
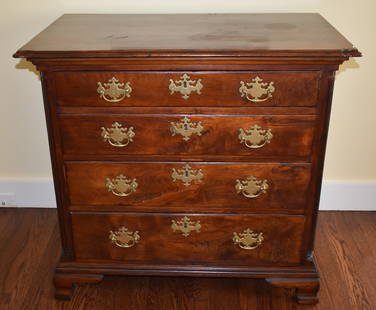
156	188
220	111
65	283
212	245
30	248
197	34
189	63
219	89
292	136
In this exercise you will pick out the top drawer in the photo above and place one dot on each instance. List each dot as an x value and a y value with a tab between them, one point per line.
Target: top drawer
178	89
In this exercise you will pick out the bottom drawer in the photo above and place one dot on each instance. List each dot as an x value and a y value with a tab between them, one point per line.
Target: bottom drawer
188	238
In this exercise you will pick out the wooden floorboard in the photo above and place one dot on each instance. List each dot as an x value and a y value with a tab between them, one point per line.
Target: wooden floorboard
30	248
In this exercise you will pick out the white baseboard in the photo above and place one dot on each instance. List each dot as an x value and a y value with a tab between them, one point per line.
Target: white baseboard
335	195
357	196
34	192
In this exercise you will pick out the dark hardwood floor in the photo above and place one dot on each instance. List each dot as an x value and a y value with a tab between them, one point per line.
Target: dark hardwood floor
30	248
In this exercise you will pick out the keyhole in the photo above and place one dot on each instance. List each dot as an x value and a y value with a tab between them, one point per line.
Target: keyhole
185	84
185	126
187	174
185	225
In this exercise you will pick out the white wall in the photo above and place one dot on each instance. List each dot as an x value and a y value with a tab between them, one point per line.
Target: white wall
24	148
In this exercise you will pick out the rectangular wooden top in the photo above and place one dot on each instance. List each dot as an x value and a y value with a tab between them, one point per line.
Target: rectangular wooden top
120	35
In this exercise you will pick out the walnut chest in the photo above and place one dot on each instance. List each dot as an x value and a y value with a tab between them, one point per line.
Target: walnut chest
188	145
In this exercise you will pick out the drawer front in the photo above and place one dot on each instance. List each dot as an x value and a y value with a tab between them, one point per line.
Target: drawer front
192	186
189	239
278	137
187	89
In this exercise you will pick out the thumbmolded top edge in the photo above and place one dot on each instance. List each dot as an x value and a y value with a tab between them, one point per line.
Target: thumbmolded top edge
210	35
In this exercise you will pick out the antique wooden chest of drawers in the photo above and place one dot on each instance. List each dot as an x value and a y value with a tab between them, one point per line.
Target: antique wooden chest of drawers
188	145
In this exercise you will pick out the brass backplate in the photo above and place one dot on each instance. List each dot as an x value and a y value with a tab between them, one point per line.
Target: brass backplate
186	226
185	86
257	90
124	238
118	135
251	187
121	185
187	175
255	137
114	91
248	239
186	128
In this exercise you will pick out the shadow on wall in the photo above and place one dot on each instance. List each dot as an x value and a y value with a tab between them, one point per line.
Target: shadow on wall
349	64
24	64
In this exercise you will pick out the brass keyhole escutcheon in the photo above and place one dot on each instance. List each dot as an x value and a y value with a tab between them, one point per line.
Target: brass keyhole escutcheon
185	225
186	128
187	175
185	86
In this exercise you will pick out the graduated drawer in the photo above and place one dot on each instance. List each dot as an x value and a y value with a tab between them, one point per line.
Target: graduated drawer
278	137
278	88
192	186
188	238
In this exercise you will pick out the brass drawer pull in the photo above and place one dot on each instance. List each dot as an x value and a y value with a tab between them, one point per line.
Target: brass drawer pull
255	137
118	135
186	128
121	186
185	225
114	91
124	238
185	86
256	91
187	175
251	187
248	240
